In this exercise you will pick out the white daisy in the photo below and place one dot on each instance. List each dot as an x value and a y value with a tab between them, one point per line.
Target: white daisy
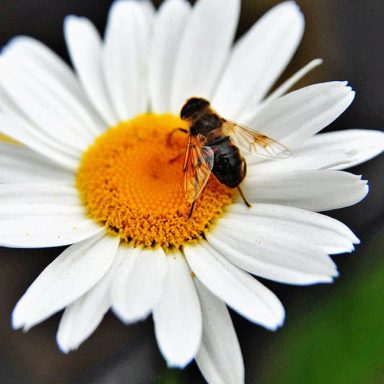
114	197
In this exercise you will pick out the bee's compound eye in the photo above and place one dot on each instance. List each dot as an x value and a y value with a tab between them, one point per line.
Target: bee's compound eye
192	106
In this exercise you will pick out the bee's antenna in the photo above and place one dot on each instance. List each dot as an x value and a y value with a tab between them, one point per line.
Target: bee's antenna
243	197
191	210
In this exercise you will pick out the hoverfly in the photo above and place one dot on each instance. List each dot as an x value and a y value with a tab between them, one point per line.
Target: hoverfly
213	147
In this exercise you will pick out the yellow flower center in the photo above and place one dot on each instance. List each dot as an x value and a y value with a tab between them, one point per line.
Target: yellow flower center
129	183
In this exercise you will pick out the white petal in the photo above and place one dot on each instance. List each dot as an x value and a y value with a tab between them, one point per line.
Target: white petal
284	244
355	145
85	48
46	99
335	150
268	258
81	318
177	317
168	27
42	215
219	358
343	149
138	284
67	278
39	197
125	58
204	48
258	59
290	82
39	53
148	9
28	134
319	190
239	290
299	115
314	228
21	165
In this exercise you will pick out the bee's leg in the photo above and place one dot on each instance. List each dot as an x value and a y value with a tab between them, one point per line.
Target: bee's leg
170	134
191	210
243	197
169	142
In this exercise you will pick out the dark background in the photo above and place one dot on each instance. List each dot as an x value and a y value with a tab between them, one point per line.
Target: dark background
333	333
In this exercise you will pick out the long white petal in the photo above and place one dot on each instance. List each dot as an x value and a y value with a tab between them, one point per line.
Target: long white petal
67	278
177	317
299	115
290	82
315	228
82	317
138	284
219	358
307	265
204	48
354	146
258	59
21	165
39	53
85	48
46	99
125	58
43	215
284	244
168	27
25	132
239	290
319	190
334	150
49	198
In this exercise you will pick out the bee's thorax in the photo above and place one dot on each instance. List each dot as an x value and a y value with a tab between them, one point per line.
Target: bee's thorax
206	123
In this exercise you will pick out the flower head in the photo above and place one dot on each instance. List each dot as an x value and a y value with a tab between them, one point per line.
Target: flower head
97	172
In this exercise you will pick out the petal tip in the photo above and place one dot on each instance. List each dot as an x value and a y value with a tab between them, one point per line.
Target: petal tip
17	320
129	319
291	3
278	320
175	364
335	274
64	348
293	10
72	23
67	341
277	325
70	19
328	279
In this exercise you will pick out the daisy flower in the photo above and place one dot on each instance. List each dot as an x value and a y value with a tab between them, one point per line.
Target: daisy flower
94	173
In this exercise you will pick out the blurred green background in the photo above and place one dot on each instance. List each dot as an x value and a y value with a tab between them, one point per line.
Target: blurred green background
333	333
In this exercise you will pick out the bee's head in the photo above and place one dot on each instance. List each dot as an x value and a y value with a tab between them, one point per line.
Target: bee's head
192	106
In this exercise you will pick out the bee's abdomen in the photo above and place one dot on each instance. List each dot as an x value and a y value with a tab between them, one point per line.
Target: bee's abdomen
229	166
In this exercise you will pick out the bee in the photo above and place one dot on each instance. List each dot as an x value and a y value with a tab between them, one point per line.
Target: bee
213	147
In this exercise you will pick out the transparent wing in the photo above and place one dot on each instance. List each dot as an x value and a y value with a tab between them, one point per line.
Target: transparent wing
252	141
198	163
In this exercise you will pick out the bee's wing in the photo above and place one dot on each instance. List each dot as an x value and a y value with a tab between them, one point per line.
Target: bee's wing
255	142
198	163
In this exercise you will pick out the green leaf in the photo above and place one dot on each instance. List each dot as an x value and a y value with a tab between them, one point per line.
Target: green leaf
171	376
342	339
